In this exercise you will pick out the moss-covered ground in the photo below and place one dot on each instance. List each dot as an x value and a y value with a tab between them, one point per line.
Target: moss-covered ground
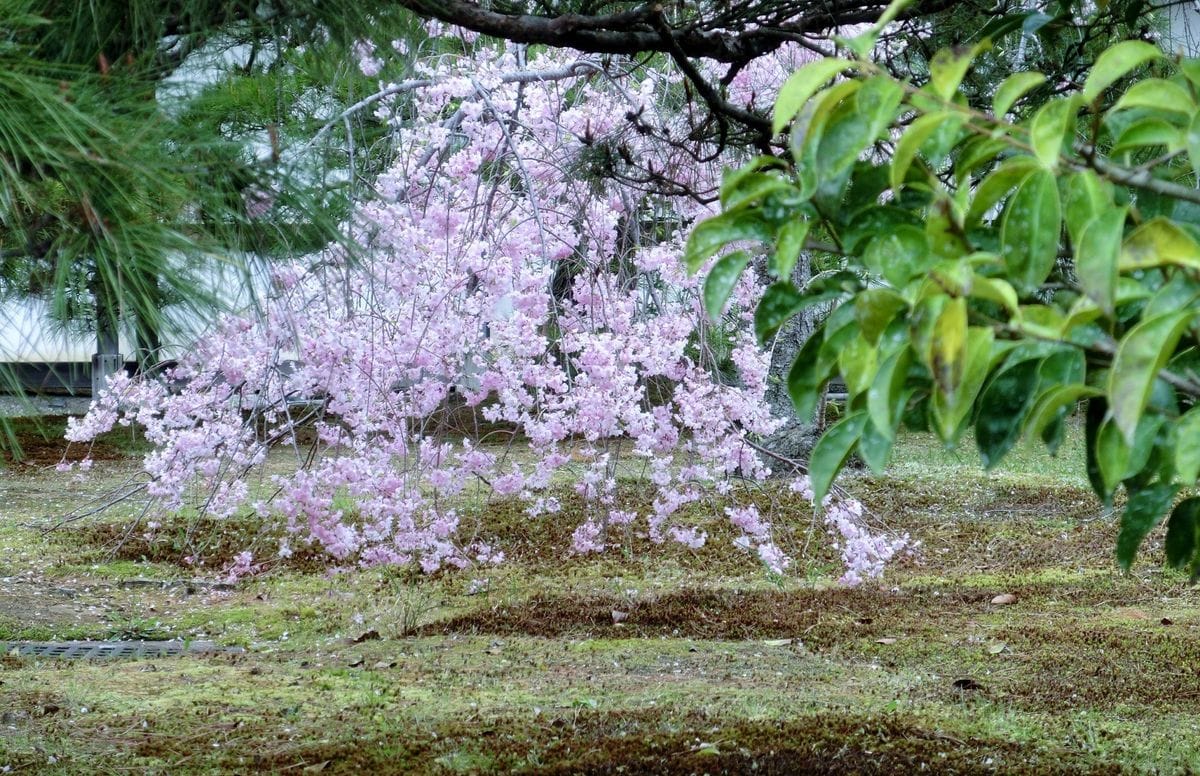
637	661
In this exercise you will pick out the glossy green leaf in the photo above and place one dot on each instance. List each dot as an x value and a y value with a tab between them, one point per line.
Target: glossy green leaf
899	255
1085	197
875	308
780	302
721	280
1192	141
1003	407
948	68
1183	533
1054	403
788	245
875	447
995	290
1142	353
858	361
1012	89
916	136
1029	232
1158	94
712	234
1146	133
733	177
808	375
753	188
977	152
1094	418
1050	125
832	450
997	185
1145	509
1159	242
885	397
1097	257
1187	447
1116	62
802	85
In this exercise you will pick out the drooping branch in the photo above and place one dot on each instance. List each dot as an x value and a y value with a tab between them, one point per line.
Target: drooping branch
758	28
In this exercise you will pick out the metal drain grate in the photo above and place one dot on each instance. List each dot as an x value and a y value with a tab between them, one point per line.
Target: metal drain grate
99	650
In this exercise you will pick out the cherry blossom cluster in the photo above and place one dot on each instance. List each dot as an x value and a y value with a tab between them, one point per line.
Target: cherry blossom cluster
502	273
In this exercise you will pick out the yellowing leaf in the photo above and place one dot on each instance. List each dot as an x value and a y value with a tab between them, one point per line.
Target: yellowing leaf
1157	242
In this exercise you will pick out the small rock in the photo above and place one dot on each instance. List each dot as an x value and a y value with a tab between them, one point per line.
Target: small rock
1004	599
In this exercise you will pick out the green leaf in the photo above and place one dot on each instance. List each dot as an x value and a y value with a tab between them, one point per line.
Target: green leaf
1012	89
1157	242
1094	419
875	447
858	362
1145	509
1050	124
1142	353
803	84
1148	132
780	302
753	188
914	137
721	280
845	134
808	374
1187	447
998	184
885	397
875	308
878	220
732	178
1002	409
948	68
1054	403
1086	197
877	102
1158	94
899	254
995	290
1183	533
1193	143
832	450
976	152
788	245
1097	257
1029	232
1116	62
712	234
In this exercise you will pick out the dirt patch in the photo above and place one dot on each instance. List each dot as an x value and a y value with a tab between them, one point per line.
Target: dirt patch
32	603
216	542
828	743
40	443
1079	663
820	618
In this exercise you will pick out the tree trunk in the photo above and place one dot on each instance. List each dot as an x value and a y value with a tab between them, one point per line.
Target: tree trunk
796	437
107	360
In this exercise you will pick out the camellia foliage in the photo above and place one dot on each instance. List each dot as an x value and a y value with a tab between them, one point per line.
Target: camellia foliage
504	269
991	267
